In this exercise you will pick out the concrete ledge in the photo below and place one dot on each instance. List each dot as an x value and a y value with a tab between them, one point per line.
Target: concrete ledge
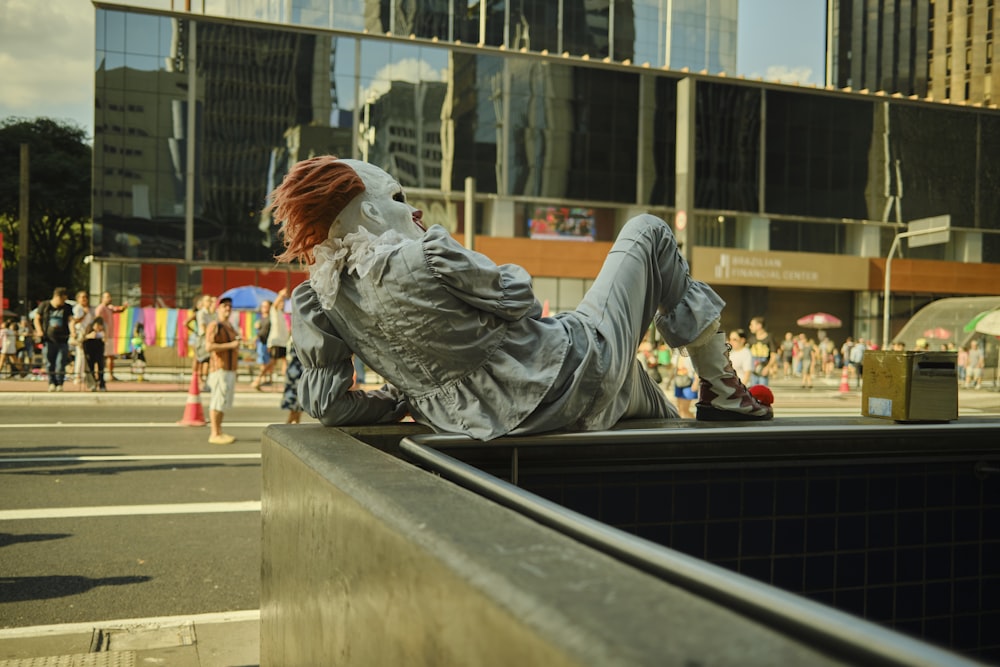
368	560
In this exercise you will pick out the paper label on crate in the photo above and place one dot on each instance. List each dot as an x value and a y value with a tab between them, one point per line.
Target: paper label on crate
879	407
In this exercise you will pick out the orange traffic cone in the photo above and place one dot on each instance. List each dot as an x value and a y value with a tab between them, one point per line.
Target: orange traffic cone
194	415
845	385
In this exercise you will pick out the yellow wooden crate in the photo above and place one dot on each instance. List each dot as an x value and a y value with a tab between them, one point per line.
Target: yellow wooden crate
917	386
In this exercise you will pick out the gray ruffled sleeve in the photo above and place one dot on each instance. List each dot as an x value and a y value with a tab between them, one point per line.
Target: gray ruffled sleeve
504	290
328	371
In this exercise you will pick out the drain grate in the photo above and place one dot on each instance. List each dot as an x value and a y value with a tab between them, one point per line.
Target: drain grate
142	637
105	659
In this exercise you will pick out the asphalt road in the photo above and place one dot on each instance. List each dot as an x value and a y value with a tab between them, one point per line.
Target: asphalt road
110	513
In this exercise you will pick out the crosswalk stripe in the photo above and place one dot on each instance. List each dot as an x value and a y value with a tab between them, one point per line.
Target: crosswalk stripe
129	510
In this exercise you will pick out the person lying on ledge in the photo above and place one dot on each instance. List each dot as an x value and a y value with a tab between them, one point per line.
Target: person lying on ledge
461	341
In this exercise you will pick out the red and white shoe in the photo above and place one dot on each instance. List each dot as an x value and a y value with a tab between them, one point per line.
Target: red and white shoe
721	395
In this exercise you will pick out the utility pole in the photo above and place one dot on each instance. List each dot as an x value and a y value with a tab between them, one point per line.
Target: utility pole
22	232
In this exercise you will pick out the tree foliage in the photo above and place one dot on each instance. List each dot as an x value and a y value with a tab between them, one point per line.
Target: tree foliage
59	205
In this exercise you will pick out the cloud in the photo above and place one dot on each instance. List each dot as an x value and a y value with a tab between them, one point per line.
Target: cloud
786	74
411	70
47	56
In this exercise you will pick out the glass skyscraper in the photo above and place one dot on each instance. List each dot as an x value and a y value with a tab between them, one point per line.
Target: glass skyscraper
569	116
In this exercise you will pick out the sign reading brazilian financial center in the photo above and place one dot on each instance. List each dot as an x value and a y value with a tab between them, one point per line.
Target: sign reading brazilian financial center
729	266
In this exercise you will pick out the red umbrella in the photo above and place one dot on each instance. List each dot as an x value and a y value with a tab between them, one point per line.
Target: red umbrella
938	332
819	321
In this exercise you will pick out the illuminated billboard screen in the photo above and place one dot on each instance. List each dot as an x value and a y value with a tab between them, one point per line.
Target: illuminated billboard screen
563	223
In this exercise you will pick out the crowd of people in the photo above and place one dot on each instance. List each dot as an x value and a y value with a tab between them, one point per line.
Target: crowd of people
476	355
60	341
72	343
758	359
66	341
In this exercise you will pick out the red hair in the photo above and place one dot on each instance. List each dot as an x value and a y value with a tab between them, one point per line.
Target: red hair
308	201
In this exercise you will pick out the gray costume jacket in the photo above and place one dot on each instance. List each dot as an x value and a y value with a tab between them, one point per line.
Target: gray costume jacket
463	345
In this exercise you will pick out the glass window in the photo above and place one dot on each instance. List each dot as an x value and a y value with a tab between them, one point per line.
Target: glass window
818	156
585	29
402	93
795	236
935	153
110	30
650	39
988	173
727	146
535	26
142	34
664	148
572	132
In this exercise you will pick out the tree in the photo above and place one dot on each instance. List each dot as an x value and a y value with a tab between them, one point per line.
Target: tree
59	214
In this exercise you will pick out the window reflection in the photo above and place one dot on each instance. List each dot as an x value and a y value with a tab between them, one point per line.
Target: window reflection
526	128
817	156
727	148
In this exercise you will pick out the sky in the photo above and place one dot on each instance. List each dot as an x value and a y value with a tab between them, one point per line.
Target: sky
47	52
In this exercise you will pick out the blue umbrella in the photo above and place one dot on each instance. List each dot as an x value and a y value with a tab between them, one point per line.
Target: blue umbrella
248	296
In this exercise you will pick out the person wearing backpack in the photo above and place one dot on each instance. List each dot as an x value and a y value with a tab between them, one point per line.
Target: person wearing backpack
53	321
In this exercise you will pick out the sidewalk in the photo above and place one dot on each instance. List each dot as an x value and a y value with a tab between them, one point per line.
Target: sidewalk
170	387
228	639
157	387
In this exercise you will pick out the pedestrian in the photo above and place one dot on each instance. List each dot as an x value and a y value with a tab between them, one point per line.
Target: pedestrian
461	340
137	352
93	351
278	334
740	355
788	356
223	344
665	358
857	359
26	345
83	315
808	352
763	350
53	323
106	311
203	314
685	391
649	359
263	359
272	335
977	361
290	397
8	349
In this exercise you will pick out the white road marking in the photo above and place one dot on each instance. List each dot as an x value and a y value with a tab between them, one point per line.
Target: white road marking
131	425
129	510
124	457
77	628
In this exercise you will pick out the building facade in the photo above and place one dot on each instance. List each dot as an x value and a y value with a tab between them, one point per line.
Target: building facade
546	125
937	49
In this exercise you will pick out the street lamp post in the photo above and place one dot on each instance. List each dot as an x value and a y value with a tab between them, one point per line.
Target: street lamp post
888	272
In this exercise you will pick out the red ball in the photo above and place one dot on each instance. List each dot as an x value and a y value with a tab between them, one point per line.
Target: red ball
762	393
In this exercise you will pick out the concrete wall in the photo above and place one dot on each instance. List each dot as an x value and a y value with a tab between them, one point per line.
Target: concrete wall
368	560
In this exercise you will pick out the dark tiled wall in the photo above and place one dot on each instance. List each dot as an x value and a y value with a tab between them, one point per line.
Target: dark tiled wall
913	545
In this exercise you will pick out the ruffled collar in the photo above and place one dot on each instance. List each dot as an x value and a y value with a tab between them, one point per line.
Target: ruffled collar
358	253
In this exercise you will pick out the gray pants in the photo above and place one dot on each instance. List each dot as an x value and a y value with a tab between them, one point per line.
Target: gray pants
645	277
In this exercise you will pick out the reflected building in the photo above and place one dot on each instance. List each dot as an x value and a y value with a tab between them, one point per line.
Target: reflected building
408	139
262	97
941	49
782	196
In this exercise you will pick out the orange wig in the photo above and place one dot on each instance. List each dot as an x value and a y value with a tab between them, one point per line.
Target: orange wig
309	200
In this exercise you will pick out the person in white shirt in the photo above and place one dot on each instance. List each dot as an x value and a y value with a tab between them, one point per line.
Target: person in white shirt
740	355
